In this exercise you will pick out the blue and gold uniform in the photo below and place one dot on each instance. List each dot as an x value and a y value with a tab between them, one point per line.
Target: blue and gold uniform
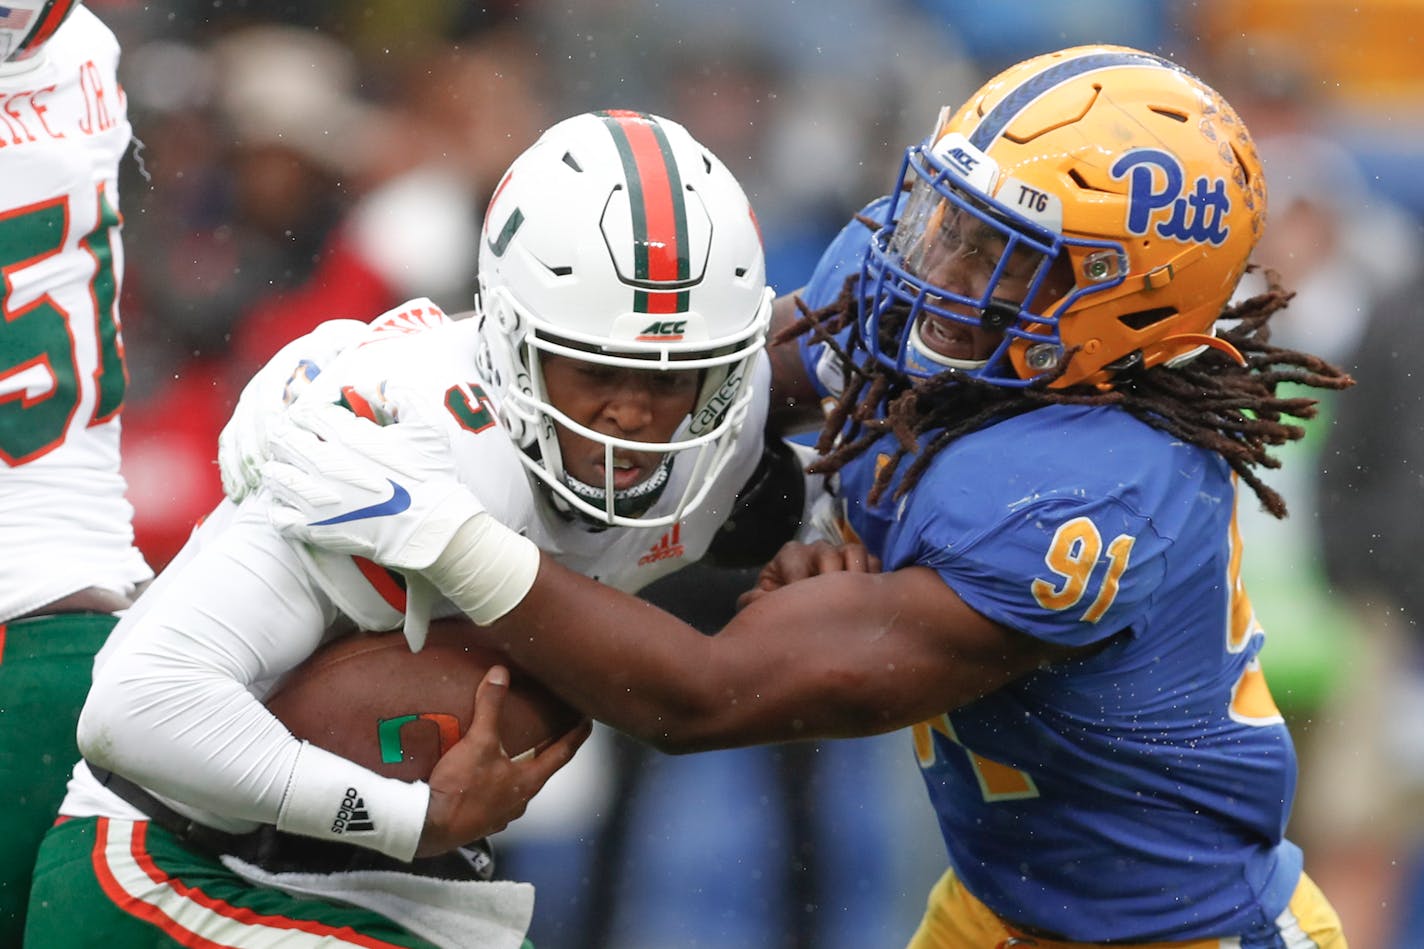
1136	794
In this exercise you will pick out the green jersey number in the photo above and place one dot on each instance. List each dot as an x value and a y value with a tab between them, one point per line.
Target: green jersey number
40	387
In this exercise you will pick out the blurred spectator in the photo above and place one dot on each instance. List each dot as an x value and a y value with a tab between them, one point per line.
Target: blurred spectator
1003	34
1339	246
1342	246
1368	795
249	168
249	173
332	206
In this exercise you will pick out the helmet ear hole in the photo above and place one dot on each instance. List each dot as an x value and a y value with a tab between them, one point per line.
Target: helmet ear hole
1246	162
1141	319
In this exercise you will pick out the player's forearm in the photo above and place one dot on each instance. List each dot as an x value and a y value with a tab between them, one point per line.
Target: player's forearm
787	672
839	655
173	726
633	666
614	657
491	572
233	761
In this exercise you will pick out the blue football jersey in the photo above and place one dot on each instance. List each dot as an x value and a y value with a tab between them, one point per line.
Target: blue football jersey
1140	793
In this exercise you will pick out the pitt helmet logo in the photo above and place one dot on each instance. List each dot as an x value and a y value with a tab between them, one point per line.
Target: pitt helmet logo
1157	184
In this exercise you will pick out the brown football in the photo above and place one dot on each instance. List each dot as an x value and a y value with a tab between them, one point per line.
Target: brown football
368	698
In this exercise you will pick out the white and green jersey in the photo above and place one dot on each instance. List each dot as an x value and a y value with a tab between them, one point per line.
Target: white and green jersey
418	349
240	605
63	132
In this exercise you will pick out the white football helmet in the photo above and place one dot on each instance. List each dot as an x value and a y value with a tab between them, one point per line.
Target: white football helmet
618	239
26	25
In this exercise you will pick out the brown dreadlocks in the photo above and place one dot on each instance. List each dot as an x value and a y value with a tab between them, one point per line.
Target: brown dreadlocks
1212	401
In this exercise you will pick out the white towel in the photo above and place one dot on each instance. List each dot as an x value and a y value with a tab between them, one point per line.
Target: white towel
453	914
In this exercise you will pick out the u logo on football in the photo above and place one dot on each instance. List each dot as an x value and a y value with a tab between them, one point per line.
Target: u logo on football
388	733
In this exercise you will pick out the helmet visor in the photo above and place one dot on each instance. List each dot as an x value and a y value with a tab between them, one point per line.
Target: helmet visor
955	277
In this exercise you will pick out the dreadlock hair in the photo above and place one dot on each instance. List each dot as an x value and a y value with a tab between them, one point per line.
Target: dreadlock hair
1212	401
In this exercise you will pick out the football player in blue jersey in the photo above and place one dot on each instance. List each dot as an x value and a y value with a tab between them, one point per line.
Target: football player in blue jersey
1040	410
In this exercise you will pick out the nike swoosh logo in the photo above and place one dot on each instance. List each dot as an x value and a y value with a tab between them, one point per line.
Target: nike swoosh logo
397	502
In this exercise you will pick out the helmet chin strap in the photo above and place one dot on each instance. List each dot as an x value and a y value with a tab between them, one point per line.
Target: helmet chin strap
629	502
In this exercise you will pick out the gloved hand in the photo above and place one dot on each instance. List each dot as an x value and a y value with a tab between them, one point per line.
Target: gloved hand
385	492
242	445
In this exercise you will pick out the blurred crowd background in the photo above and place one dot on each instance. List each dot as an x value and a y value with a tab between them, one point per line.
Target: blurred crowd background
303	160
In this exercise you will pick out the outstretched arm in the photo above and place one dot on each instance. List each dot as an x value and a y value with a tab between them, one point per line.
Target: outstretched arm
837	655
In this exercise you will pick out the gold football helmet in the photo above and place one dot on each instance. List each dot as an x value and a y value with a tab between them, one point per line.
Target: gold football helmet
1096	206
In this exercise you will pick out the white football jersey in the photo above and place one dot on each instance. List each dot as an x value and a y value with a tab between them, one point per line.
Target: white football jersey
221	647
417	349
63	131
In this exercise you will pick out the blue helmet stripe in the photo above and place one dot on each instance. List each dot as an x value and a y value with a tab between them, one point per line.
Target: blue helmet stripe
1019	99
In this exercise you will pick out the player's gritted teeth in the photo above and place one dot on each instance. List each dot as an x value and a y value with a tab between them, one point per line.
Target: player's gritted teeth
948	337
628	470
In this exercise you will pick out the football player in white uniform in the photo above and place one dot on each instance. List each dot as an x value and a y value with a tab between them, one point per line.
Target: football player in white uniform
69	560
608	399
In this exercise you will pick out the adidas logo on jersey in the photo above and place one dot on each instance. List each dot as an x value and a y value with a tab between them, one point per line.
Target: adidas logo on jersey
352	817
669	546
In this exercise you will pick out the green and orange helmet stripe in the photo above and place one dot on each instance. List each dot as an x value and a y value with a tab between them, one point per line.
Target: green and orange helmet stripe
50	17
655	200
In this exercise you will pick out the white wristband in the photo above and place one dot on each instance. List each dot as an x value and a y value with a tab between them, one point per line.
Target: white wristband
335	799
486	569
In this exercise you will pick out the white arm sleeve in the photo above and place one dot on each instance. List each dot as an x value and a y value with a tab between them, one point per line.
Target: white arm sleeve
172	706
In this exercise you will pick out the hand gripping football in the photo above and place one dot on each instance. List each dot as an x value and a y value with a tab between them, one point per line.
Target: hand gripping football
368	698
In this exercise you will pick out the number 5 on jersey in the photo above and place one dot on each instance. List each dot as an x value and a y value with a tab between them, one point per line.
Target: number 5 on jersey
41	386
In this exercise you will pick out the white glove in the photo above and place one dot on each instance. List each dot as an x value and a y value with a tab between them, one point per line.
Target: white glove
242	445
388	493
